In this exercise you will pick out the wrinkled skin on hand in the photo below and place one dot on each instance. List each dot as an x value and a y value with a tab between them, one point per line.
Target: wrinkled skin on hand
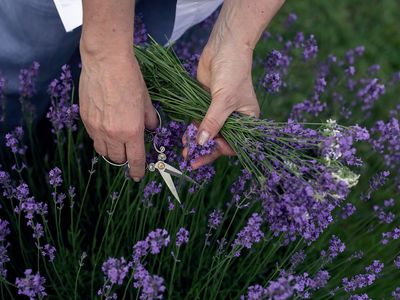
115	108
225	70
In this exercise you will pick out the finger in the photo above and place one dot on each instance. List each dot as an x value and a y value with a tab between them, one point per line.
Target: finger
185	153
217	113
116	152
184	139
136	157
100	147
151	117
223	147
206	159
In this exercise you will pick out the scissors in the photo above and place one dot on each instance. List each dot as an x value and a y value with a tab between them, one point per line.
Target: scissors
161	166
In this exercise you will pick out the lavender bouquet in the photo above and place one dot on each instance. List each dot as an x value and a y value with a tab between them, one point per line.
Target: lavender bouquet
302	165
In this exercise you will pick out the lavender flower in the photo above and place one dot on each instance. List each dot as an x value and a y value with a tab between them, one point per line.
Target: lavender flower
215	218
336	246
310	48
157	239
27	80
396	294
363	280
14	141
115	270
375	182
272	82
397	262
371	91
255	292
152	286
55	178
249	235
296	259
291	19
49	251
205	173
140	249
360	297
390	235
347	210
151	189
62	113
182	237
32	285
4	258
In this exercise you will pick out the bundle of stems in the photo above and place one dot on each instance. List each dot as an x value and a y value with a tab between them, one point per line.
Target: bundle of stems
258	143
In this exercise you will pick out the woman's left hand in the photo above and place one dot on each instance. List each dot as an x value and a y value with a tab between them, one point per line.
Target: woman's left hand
225	70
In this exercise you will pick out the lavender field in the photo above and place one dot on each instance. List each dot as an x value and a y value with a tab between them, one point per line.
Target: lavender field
322	223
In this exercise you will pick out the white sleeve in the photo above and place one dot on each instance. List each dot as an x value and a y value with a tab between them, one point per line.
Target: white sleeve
191	12
70	12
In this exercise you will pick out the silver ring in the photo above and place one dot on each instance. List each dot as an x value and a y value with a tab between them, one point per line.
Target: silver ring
159	120
113	163
126	163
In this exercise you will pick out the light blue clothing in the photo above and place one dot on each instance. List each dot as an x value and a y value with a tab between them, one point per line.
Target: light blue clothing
31	30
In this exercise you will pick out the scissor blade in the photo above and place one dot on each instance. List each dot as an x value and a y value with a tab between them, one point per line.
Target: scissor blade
175	172
168	180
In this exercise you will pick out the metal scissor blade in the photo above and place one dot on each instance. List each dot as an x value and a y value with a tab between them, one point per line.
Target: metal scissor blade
175	172
168	180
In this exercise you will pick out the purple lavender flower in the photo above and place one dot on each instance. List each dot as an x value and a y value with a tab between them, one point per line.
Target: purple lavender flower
363	280
115	270
310	48
375	182
371	91
31	286
249	235
347	210
336	246
151	189
255	292
386	141
152	286
140	249
290	20
28	204
182	237
205	173
38	230
49	251
55	178
382	215
215	219
4	258
397	262
62	113
27	80
157	239
140	32
360	297
14	141
296	259
272	82
396	294
390	235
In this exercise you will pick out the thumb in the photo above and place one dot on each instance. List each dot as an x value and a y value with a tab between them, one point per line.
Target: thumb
217	114
151	117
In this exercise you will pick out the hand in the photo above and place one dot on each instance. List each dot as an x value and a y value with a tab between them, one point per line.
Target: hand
115	108
225	70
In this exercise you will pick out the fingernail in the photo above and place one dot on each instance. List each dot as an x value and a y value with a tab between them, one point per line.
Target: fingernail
136	179
203	137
